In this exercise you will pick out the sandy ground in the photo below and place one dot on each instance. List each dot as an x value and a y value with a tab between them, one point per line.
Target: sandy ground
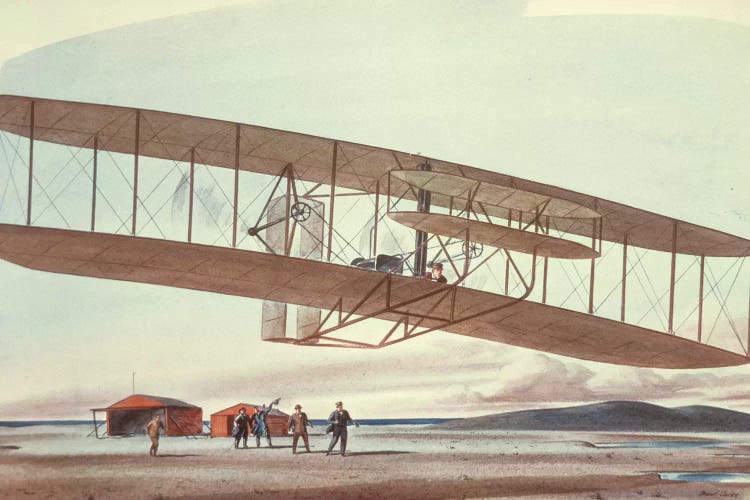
383	462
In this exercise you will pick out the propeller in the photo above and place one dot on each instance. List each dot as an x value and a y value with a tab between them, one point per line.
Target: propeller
299	212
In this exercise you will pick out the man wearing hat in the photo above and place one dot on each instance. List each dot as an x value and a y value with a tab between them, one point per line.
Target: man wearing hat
299	422
260	425
241	427
339	420
436	274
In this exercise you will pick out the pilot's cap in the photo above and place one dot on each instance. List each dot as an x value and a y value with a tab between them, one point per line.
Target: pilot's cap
339	403
298	406
437	265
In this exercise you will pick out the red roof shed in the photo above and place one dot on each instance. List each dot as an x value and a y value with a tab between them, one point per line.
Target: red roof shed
223	421
130	415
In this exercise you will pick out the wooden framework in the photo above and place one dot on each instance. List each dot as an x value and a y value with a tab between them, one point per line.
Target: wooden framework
531	211
347	292
172	136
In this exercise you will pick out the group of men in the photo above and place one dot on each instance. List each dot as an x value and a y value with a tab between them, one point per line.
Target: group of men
298	424
244	423
256	423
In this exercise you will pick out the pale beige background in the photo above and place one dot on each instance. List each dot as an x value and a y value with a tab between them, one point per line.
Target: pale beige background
68	344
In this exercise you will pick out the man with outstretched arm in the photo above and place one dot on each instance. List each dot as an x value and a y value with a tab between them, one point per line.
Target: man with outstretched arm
260	426
339	419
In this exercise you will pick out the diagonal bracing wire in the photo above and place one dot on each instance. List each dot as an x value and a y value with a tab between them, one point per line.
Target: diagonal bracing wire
652	303
241	214
581	279
710	291
664	294
11	168
62	190
618	285
82	167
722	302
127	181
49	198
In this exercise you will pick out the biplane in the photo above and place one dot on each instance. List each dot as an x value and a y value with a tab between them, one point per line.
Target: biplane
331	234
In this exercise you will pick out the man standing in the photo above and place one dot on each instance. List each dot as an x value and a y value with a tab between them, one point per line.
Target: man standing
436	274
260	426
152	429
339	420
299	422
241	425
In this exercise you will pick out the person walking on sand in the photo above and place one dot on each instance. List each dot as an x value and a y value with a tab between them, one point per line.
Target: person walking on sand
240	429
299	422
339	419
260	426
152	429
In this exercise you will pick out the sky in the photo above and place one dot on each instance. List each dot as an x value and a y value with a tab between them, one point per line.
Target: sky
69	344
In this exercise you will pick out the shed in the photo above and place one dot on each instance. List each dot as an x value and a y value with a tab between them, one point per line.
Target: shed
223	421
130	415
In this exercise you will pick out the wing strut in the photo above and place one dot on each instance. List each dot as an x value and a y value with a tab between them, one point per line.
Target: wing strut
423	205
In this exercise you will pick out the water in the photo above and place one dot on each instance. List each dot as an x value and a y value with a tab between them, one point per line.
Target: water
661	444
391	421
706	477
29	423
316	422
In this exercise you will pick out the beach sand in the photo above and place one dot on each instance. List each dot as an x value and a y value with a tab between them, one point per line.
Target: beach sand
382	462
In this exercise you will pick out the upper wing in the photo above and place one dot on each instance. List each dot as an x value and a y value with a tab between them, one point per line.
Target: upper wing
328	161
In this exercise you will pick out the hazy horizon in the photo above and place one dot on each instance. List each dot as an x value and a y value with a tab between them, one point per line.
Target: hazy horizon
644	108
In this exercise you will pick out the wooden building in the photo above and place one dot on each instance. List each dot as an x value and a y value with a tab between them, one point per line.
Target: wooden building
223	421
130	415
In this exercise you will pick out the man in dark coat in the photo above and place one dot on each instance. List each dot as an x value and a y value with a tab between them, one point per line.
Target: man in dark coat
299	422
436	274
241	425
339	419
260	427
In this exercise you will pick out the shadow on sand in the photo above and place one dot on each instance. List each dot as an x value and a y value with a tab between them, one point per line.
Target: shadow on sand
363	453
170	455
256	448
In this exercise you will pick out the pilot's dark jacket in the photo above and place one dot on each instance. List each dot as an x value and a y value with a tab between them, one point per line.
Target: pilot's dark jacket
441	279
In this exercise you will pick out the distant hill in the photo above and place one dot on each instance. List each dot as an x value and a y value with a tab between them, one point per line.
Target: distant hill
611	416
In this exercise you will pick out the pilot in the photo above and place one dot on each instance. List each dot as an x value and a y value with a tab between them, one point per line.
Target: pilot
436	274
